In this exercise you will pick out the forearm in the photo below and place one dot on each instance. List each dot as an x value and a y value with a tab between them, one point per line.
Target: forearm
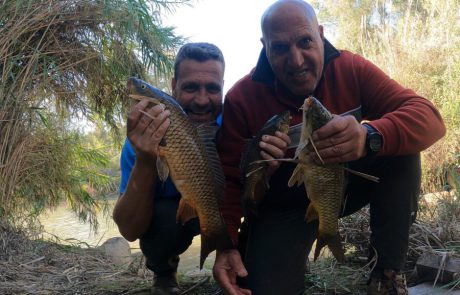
133	210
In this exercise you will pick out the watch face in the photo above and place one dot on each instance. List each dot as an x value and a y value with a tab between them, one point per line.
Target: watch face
375	142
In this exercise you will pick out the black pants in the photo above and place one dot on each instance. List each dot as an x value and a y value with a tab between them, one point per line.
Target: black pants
276	243
165	240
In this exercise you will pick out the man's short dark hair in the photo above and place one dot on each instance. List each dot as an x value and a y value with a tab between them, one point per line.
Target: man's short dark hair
200	52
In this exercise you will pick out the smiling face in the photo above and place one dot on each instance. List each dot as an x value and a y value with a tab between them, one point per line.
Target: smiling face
199	88
294	46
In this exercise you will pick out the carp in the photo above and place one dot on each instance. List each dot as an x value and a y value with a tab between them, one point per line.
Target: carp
188	154
254	173
325	184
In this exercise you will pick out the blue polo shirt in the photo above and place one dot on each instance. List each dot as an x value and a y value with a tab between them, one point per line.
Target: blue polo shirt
165	189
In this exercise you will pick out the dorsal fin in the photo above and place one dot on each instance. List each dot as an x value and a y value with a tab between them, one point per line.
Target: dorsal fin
207	133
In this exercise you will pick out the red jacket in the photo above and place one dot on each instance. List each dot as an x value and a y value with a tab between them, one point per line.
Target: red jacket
408	122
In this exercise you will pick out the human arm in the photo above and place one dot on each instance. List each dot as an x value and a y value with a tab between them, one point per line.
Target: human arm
133	210
407	122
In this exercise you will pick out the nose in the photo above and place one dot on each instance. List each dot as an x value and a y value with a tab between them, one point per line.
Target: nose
295	58
201	97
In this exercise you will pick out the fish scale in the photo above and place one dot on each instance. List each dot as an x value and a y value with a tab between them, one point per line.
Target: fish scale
253	173
194	168
324	184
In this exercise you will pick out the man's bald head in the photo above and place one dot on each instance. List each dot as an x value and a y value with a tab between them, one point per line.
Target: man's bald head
283	7
294	46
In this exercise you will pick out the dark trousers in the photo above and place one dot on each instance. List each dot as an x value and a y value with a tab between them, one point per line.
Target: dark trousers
165	239
275	244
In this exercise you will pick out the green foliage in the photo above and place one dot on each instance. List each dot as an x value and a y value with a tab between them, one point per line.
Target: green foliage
418	44
63	61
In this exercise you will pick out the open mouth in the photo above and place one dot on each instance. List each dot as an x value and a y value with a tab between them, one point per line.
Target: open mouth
298	75
201	116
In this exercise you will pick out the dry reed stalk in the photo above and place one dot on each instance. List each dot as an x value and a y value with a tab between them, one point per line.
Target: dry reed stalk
59	59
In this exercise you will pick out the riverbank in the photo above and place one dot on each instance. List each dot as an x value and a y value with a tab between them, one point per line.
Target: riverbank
29	266
34	266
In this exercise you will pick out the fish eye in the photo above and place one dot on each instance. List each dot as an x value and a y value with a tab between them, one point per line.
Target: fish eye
143	86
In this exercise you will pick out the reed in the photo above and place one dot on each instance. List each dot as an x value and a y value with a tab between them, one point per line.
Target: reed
61	60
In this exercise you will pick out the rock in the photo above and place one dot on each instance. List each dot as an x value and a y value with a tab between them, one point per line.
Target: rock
428	289
118	251
439	266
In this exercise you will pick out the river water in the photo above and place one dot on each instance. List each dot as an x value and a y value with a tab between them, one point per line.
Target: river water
64	225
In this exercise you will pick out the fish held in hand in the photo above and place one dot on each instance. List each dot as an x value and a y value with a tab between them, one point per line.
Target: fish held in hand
187	153
253	172
325	184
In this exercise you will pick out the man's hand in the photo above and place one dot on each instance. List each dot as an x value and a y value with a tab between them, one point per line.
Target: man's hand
274	147
146	131
341	140
227	267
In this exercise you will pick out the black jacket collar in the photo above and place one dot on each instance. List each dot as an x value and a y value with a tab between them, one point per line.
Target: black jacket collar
263	72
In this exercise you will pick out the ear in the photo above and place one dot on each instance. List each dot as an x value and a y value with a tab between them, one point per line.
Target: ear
263	42
321	31
173	86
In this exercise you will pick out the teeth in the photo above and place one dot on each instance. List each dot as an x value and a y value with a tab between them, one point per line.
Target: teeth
299	74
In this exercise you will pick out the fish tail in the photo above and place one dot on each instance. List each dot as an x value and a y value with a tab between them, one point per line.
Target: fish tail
209	244
335	245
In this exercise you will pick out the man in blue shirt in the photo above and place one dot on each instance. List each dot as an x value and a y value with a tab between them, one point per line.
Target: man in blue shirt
146	209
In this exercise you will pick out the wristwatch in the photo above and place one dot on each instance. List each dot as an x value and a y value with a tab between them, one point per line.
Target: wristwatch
374	140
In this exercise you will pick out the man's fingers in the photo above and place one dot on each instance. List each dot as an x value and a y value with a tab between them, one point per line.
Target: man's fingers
237	265
281	141
159	132
222	277
134	115
245	291
284	137
152	121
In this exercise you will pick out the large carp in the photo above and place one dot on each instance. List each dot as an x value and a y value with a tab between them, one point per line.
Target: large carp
192	162
254	172
325	184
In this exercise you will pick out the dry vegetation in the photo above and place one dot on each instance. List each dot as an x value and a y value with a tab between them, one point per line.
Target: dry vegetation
34	266
59	59
62	60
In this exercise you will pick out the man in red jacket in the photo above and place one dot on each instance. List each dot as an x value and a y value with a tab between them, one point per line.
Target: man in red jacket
387	128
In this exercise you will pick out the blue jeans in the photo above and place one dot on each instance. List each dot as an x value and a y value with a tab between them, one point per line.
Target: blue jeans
165	239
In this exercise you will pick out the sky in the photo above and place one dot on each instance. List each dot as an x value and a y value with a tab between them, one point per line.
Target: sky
232	25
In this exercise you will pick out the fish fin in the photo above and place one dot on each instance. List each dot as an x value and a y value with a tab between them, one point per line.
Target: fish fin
221	241
185	212
297	177
334	244
253	171
208	130
208	137
312	213
300	148
251	200
162	168
288	160
363	175
248	146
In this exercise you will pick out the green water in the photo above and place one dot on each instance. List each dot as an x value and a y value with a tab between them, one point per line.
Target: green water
63	224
